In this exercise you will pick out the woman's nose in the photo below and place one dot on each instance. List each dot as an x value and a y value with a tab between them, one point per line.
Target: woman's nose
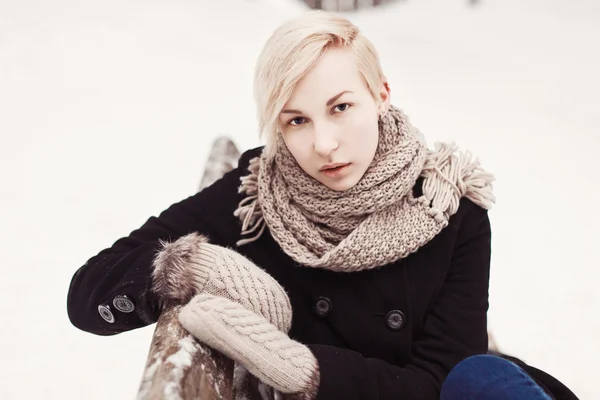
325	141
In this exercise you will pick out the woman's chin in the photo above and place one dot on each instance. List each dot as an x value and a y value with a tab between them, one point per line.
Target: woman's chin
341	185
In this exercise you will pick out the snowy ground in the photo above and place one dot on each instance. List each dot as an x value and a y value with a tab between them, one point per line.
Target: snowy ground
107	110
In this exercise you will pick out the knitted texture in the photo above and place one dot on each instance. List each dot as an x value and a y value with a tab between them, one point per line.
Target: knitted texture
376	222
251	340
191	265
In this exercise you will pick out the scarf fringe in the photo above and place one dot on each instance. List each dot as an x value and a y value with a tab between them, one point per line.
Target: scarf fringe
449	176
249	211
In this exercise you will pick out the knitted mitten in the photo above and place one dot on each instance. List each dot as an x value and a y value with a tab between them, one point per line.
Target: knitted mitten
191	265
251	340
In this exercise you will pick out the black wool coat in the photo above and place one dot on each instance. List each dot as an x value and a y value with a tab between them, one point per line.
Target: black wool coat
392	332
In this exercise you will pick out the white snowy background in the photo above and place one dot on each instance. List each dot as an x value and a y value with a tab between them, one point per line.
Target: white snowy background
108	109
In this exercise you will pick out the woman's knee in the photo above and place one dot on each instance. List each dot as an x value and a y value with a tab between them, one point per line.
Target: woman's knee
489	377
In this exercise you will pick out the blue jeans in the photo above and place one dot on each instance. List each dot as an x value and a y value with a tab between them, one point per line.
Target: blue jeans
488	377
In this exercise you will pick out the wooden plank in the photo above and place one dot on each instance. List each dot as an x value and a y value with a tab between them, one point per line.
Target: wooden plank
178	366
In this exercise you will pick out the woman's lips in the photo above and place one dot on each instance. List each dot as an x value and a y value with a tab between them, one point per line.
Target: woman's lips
336	172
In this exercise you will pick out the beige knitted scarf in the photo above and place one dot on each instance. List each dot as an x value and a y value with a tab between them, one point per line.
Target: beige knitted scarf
376	222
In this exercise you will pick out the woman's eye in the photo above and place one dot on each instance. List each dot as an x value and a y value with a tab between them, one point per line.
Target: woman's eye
342	107
296	121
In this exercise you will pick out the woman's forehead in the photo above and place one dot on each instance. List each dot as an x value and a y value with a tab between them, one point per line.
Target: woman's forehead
333	66
328	78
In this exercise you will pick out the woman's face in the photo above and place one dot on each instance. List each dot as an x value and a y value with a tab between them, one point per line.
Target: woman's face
330	123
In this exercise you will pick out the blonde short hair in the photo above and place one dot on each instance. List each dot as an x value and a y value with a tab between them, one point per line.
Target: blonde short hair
293	49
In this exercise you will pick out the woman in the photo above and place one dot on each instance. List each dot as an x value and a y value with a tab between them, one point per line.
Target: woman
344	260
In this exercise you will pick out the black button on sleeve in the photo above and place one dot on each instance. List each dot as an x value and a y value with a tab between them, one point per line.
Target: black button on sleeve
106	314
123	304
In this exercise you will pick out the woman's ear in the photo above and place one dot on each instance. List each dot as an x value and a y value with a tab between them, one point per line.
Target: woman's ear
385	94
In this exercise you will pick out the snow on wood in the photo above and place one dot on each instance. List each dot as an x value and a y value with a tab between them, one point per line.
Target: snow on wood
223	158
178	366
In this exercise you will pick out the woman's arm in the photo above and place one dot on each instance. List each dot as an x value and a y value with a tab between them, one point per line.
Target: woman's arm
455	328
119	277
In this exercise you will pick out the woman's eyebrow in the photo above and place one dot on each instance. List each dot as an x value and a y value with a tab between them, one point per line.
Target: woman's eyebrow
337	96
329	102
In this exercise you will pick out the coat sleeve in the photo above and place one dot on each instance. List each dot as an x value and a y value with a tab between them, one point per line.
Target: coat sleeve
123	271
455	328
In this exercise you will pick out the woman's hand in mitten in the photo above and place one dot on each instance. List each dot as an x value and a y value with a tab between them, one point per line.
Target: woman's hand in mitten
191	265
252	341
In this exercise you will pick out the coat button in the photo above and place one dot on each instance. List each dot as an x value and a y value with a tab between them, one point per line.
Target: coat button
106	314
123	304
323	306
395	320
